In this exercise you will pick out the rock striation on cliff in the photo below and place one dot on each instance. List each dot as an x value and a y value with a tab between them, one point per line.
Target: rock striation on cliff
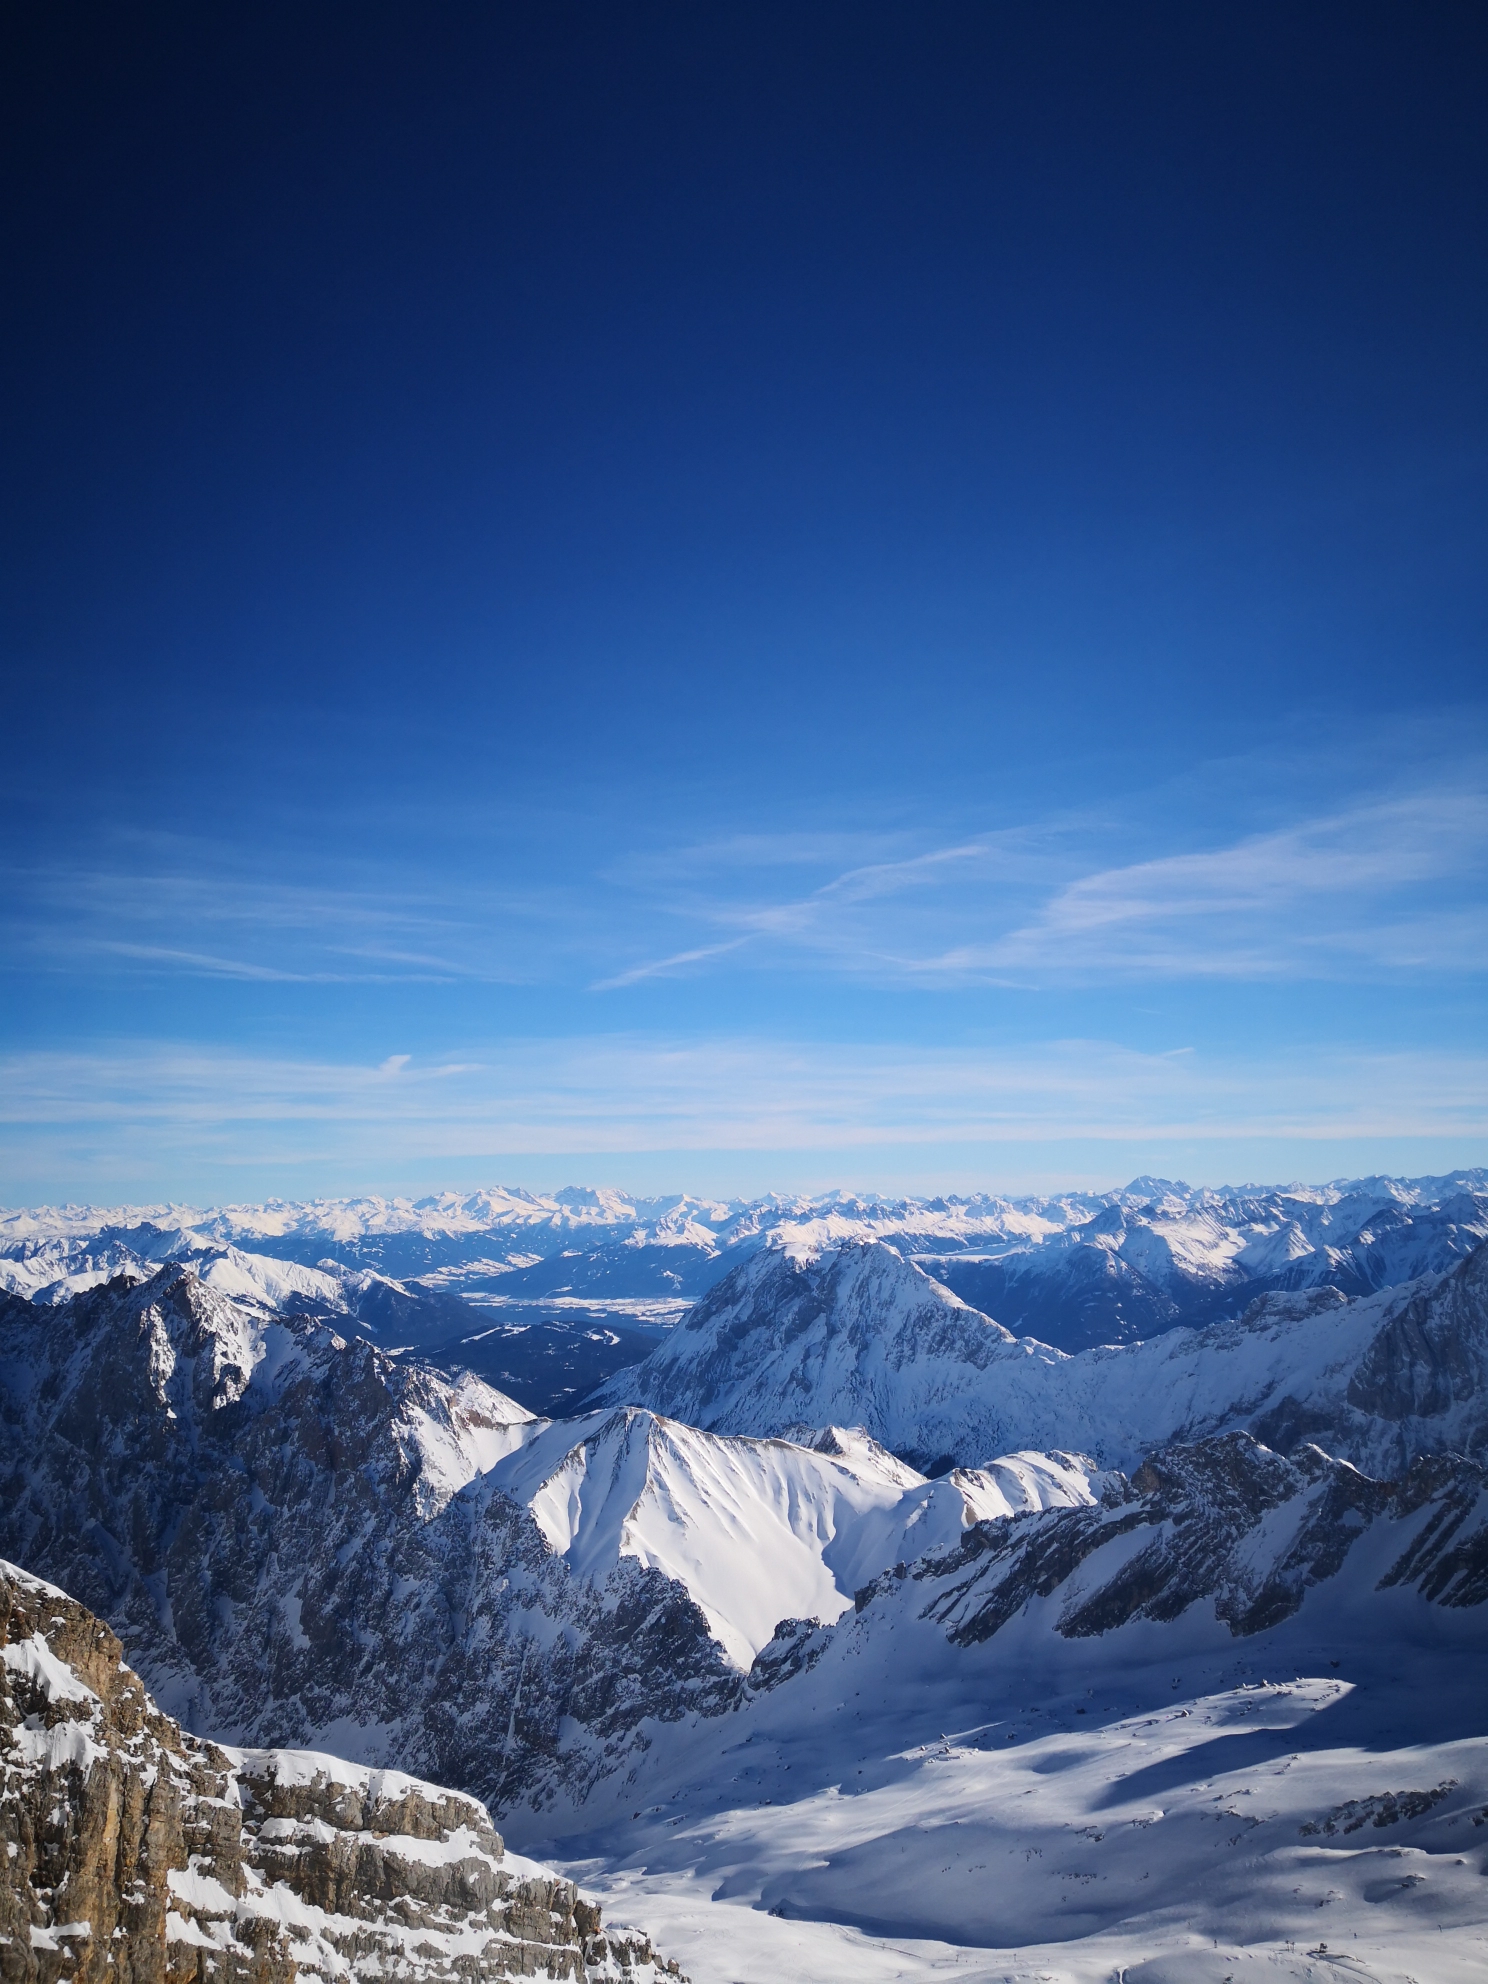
134	1852
1223	1525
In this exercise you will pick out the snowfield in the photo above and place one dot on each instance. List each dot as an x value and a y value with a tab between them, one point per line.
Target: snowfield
1177	1836
1166	1799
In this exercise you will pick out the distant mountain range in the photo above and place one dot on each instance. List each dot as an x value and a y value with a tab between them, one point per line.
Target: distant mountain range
548	1295
841	1612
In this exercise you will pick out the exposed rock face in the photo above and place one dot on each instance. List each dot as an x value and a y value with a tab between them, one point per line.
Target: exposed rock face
131	1851
289	1531
1224	1521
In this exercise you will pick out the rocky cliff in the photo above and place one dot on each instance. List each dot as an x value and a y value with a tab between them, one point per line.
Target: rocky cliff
1224	1525
131	1851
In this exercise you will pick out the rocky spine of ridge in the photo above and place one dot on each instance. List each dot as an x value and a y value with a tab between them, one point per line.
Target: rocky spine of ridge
1224	1521
131	1851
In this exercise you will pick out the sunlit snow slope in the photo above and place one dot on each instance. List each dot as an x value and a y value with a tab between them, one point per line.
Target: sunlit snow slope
1229	1724
757	1530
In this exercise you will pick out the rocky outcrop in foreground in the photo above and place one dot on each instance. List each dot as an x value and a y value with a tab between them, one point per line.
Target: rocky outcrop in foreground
132	1851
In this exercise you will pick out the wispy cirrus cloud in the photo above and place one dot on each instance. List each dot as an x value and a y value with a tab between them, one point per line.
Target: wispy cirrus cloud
1378	887
1393	886
177	908
665	967
1396	886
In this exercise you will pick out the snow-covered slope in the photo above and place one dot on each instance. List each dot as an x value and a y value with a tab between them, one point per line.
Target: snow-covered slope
857	1334
757	1530
296	1537
1229	1722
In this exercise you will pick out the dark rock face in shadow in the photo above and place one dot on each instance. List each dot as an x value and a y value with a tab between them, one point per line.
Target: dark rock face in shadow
1191	1521
258	1510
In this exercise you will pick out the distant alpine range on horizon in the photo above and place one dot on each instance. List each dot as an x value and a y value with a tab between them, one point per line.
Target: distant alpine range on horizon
549	1294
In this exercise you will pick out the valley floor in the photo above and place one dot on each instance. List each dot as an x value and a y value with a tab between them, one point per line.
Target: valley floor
1250	1828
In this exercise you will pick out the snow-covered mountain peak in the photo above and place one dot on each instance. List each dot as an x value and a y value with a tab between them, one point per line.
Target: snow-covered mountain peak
859	1336
850	1334
757	1530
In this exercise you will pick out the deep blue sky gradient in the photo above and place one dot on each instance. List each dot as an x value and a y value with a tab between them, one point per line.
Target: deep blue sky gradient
693	572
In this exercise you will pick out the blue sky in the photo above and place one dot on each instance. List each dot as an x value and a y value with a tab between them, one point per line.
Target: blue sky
723	599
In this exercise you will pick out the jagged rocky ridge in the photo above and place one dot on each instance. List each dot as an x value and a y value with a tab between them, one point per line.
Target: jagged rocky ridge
131	1851
321	1543
858	1335
271	1517
1224	1522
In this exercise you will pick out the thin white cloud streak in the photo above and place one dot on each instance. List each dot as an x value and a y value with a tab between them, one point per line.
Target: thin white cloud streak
1394	887
213	920
1278	902
624	1094
665	967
